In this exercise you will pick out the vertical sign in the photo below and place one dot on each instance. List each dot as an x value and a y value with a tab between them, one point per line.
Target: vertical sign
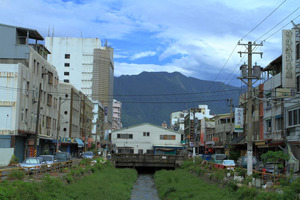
288	59
239	120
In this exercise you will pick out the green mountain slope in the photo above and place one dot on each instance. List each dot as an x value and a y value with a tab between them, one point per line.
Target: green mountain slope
153	96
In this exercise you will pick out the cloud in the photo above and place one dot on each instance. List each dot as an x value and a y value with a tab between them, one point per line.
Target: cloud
195	38
143	54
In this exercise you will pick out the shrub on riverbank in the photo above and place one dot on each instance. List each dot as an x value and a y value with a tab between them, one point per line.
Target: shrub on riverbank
95	182
218	178
180	184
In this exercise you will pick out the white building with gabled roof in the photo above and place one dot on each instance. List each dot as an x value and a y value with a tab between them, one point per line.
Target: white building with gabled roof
146	138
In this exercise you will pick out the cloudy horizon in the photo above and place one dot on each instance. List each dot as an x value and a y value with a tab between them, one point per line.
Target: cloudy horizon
196	38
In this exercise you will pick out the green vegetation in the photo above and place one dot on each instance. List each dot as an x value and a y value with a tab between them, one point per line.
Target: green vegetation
14	160
16	175
100	181
200	180
180	184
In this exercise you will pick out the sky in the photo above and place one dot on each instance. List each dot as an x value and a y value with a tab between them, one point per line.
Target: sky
196	38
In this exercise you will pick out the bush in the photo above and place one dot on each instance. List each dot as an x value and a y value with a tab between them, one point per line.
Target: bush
14	160
16	175
232	186
269	196
246	193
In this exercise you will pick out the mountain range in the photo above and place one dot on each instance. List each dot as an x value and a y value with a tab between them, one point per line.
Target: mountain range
152	96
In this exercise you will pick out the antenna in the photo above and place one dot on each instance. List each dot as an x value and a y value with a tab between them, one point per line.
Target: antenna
49	30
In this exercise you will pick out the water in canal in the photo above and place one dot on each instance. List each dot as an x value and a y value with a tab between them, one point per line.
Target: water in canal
144	188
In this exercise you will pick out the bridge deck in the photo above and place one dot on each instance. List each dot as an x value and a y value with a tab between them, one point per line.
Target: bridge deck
147	160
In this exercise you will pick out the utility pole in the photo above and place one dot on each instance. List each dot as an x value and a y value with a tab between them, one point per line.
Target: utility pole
231	116
249	47
58	124
37	121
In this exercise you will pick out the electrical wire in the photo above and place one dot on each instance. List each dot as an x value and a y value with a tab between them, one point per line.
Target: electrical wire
280	29
277	25
264	19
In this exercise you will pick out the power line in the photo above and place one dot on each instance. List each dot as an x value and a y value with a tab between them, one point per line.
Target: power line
277	25
263	20
280	28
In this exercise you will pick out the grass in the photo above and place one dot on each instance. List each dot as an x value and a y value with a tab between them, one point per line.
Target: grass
180	184
106	182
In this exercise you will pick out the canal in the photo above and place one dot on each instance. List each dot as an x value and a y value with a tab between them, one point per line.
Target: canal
144	188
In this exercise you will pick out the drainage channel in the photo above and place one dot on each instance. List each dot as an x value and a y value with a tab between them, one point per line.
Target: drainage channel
144	188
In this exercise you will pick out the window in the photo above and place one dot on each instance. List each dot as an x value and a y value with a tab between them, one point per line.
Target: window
66	112
49	100
269	125
298	84
293	117
147	134
297	51
48	122
66	73
67	64
290	115
50	78
66	80
67	56
167	137
125	136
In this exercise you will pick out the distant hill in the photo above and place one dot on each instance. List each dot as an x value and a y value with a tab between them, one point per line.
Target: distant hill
153	96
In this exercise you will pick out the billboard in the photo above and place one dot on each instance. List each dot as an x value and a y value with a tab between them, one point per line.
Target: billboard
239	120
288	59
284	92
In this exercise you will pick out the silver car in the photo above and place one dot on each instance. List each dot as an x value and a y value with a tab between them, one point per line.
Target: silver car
49	159
32	163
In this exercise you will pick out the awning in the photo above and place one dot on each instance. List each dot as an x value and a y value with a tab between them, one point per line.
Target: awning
79	142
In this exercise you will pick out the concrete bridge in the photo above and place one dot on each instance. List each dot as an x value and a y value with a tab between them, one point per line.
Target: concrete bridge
147	160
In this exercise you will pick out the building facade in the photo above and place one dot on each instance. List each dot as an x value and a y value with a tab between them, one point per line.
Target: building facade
29	106
103	80
117	111
146	138
73	58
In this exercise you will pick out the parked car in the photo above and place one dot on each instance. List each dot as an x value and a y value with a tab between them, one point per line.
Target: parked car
32	163
62	157
229	164
269	168
88	154
242	161
49	159
218	158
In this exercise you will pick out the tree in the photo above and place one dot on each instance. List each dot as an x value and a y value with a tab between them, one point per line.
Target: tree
276	157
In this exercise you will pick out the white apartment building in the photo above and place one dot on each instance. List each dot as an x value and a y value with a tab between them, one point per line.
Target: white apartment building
117	110
177	120
146	138
73	58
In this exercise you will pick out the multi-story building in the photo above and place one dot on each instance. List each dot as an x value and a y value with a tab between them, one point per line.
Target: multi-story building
98	123
117	110
84	59
28	106
146	138
177	120
193	131
86	120
69	137
103	79
73	58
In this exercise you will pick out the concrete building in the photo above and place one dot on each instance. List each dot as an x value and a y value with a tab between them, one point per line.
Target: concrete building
98	123
103	80
69	136
73	58
177	120
117	110
86	121
193	131
146	138
28	106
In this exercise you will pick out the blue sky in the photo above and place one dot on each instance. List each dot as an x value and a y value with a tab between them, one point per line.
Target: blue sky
193	37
